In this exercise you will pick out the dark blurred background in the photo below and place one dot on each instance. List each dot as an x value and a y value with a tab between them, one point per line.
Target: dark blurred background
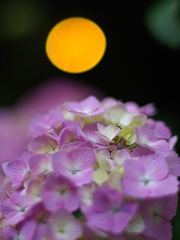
141	62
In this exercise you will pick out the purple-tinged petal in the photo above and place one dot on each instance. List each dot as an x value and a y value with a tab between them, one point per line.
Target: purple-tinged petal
121	156
5	191
9	233
27	229
41	123
78	132
148	177
145	138
110	212
134	169
40	163
172	142
86	108
173	162
15	207
141	151
59	192
159	129
155	166
144	135
66	135
76	164
162	230
90	232
17	171
63	225
24	155
43	143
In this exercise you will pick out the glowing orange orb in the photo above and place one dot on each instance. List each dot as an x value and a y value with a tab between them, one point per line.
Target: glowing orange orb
75	45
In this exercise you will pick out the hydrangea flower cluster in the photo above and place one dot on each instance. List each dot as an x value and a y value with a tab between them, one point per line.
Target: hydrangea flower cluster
92	170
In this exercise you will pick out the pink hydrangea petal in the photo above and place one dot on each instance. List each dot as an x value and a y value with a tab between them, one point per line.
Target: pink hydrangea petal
62	219
165	187
9	233
90	232
40	232
66	136
11	212
88	105
42	142
161	147
148	109
118	222
133	169
141	151
172	142
27	229
162	229
160	130
152	189
75	164
135	189
144	135
40	163
173	162
59	192
90	132
78	132
155	166
16	171
24	155
44	122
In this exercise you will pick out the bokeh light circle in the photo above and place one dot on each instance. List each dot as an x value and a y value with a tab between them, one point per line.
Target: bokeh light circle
75	45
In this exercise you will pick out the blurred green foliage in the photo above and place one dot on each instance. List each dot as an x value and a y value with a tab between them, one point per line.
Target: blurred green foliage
21	18
162	19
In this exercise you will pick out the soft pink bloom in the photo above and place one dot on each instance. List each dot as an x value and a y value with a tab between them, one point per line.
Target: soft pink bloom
173	162
88	134
109	211
66	134
88	170
86	108
89	131
60	192
90	232
121	156
157	214
148	109
18	170
145	138
76	164
43	143
159	129
63	226
15	121
45	123
6	190
40	164
172	142
140	151
41	215
25	231
15	208
148	177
